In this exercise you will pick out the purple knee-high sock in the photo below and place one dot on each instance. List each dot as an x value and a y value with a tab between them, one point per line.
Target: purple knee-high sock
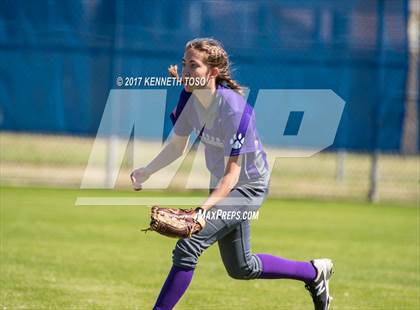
175	285
275	267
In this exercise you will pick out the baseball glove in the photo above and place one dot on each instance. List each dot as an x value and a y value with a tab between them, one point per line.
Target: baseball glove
175	223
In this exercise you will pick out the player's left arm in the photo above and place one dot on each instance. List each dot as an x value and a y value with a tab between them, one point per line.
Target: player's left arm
227	183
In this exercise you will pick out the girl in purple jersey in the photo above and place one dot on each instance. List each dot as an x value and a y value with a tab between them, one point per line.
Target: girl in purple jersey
225	123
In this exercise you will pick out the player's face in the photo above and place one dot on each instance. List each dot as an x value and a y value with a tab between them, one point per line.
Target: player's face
194	67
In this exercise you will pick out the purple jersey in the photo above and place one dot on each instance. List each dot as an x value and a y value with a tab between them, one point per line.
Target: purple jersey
227	128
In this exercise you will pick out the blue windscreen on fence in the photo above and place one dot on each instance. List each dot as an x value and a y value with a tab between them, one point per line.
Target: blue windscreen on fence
59	59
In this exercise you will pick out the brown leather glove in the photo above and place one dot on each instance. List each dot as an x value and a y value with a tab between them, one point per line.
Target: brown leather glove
175	223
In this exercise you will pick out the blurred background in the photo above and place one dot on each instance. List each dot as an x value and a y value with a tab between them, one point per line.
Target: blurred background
60	59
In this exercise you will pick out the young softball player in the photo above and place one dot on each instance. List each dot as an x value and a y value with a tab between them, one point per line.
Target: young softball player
235	157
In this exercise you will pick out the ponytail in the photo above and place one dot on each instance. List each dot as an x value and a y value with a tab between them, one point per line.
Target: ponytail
231	83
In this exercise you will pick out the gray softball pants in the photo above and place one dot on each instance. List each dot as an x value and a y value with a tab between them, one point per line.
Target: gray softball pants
232	235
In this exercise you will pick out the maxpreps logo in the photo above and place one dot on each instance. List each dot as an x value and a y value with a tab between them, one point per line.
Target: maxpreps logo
129	112
237	141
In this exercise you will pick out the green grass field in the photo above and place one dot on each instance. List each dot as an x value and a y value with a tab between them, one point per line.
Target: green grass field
58	256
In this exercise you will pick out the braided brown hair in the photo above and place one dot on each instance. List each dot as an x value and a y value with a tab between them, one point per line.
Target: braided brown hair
216	56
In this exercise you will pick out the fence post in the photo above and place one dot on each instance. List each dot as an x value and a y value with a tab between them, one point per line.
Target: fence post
410	138
374	177
111	159
339	172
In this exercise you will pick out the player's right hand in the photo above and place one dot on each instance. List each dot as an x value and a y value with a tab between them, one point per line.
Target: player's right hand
139	176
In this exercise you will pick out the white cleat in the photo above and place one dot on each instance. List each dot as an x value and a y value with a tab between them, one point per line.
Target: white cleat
319	287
